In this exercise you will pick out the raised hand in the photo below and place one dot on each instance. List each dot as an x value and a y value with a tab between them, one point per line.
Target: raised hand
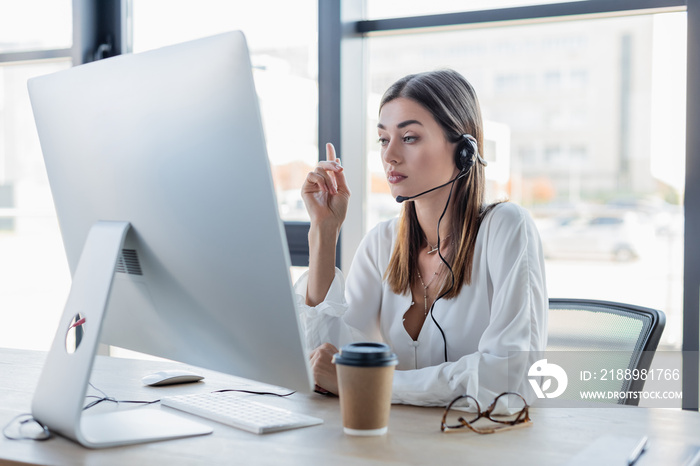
325	192
326	196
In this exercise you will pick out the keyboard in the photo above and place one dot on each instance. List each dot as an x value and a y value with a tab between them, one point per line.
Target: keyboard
240	411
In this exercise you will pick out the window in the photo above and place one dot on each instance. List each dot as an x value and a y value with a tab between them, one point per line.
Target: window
29	25
34	274
578	100
562	97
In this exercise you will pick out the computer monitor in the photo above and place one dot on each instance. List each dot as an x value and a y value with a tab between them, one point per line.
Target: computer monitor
158	168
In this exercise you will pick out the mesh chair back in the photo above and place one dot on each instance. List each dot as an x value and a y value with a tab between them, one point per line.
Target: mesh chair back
624	335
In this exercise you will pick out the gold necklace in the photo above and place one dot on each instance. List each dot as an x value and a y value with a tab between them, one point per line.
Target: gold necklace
425	288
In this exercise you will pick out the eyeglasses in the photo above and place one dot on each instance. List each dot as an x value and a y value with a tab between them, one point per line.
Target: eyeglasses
454	419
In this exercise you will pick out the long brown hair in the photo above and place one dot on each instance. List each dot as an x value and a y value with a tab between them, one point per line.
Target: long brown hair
452	101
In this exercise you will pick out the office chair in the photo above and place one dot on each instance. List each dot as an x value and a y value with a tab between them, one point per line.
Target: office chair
624	336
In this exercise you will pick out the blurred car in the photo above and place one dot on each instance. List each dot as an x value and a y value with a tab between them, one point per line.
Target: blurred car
620	236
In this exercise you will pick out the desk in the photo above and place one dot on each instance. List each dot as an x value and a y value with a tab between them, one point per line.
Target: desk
414	437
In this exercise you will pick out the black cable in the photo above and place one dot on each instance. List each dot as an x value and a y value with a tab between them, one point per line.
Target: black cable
449	267
46	434
113	400
442	258
281	395
105	397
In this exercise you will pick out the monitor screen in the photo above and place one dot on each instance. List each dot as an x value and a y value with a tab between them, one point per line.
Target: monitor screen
171	142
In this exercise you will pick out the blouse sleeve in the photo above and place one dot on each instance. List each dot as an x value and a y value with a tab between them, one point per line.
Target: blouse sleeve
350	315
517	321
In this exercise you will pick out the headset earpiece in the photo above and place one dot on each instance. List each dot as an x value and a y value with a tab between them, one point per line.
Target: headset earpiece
465	154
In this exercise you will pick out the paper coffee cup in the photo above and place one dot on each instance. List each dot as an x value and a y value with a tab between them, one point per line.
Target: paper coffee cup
365	375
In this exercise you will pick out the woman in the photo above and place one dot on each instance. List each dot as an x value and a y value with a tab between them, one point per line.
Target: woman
455	287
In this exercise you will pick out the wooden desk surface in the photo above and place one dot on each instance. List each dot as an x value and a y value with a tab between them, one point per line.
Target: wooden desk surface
556	436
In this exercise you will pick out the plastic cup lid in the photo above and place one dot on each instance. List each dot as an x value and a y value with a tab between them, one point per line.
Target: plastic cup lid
366	354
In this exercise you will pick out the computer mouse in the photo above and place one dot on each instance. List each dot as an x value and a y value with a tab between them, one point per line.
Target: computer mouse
170	377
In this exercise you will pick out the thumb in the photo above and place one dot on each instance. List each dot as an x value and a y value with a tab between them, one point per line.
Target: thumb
340	180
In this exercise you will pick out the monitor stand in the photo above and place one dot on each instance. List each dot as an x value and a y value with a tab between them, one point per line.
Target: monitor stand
60	395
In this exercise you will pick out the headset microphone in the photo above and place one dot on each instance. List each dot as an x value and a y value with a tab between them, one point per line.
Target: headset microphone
401	199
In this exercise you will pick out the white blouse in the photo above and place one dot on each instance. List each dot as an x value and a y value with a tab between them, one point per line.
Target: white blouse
492	328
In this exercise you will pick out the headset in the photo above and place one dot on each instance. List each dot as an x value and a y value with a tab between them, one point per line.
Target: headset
466	154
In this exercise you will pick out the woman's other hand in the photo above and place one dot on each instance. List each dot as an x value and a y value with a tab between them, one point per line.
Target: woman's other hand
323	368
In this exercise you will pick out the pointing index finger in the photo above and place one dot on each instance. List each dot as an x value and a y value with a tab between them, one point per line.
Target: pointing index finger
330	157
330	152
